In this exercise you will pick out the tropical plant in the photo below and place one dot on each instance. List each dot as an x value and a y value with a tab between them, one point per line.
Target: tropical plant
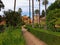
20	11
53	17
43	13
39	12
55	5
45	2
32	13
36	11
1	25
12	18
29	9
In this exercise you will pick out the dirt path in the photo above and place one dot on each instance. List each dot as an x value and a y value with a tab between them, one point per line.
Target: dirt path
31	39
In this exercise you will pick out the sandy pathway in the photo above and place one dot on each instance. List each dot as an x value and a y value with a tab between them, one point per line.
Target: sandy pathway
31	39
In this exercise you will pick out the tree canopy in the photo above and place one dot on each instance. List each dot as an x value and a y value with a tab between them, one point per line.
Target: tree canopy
53	17
55	5
12	18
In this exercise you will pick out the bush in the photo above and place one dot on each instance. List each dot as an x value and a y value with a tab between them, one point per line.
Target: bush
13	18
1	28
51	38
51	19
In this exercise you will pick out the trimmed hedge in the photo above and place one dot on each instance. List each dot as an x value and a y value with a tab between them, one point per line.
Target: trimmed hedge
50	38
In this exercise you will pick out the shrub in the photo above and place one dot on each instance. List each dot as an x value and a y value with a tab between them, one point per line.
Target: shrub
1	28
12	36
51	19
51	38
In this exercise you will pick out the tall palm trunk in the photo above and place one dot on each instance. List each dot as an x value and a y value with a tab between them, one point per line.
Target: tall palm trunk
29	9
14	5
45	13
39	13
45	8
32	13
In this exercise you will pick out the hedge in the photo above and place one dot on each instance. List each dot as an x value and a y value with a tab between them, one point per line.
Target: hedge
51	38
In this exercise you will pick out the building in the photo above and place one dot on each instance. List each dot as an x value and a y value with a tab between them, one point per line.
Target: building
26	19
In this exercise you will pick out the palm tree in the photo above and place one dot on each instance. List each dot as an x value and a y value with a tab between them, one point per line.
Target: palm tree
29	9
32	13
14	5
45	2
39	12
19	12
36	11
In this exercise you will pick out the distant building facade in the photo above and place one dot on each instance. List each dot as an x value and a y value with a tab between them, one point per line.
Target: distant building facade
26	19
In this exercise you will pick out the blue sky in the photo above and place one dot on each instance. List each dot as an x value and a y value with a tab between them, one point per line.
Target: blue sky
24	4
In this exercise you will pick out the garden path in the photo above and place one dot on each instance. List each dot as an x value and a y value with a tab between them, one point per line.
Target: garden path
31	39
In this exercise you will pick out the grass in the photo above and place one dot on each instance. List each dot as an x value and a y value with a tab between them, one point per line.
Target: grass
51	38
49	32
12	36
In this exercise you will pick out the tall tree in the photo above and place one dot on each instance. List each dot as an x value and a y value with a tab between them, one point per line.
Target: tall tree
39	12
14	5
29	9
32	13
53	6
12	18
45	2
36	11
43	13
20	11
1	5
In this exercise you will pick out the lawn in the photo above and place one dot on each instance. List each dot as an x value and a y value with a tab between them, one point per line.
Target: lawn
12	36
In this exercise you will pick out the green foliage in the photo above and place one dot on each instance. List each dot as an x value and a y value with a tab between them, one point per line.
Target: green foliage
20	11
0	18
2	28
45	2
58	22
51	18
13	18
12	36
36	11
55	5
51	38
43	13
1	5
1	25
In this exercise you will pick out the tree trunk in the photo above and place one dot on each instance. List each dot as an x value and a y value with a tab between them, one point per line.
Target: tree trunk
29	9
45	13
39	13
45	8
14	5
32	13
